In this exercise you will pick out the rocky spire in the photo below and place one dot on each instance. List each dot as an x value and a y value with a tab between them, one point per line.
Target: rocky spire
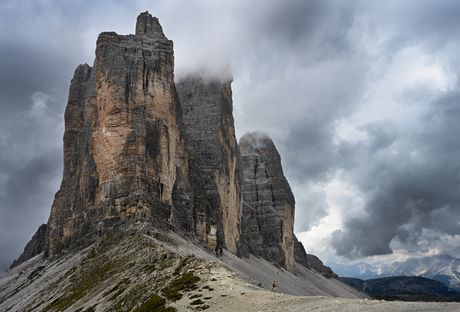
208	118
268	201
125	147
148	25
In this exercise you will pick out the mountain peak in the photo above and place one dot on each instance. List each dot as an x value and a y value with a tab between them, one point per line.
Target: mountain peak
149	25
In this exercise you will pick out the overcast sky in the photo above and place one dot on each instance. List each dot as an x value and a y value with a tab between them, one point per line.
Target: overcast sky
362	99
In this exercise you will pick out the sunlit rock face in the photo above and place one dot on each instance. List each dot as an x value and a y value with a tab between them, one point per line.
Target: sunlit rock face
125	146
208	118
269	203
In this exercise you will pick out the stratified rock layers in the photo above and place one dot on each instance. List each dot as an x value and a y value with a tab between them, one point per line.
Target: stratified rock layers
208	118
125	144
269	203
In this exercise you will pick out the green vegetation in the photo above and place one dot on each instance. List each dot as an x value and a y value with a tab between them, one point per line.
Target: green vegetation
197	302
182	264
187	282
203	307
154	304
208	288
131	272
150	268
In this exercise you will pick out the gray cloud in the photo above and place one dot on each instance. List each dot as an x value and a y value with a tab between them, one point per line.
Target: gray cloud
411	183
30	170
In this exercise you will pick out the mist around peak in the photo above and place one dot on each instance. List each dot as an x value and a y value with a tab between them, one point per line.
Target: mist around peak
220	73
256	139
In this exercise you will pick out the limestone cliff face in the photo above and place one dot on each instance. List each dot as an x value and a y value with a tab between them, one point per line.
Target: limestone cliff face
137	144
125	147
80	178
208	118
269	203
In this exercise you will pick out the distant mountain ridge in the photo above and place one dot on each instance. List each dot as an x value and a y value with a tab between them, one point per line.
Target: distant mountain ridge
442	268
361	270
395	285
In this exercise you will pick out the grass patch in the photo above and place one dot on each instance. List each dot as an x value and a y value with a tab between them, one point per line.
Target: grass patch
155	304
182	264
197	302
150	268
196	296
203	307
186	283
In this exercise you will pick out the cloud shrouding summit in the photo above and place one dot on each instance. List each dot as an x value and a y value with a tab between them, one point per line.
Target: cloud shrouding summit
361	98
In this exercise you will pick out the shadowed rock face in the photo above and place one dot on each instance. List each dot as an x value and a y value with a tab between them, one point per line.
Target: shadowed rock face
269	202
125	146
34	247
208	118
317	265
300	254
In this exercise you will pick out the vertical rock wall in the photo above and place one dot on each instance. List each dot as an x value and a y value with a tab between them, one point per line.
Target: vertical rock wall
68	222
269	203
138	133
208	118
125	146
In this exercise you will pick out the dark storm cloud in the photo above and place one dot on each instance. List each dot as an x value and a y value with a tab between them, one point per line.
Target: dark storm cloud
30	169
310	146
436	22
411	184
25	202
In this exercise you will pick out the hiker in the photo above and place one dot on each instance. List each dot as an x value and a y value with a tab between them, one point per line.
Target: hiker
273	287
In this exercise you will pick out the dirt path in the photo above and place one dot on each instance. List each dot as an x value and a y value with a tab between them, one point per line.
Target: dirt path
224	291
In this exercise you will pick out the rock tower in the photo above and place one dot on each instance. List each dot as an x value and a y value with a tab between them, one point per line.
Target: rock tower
269	202
208	118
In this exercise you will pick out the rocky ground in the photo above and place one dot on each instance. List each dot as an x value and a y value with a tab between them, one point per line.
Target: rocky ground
225	291
142	268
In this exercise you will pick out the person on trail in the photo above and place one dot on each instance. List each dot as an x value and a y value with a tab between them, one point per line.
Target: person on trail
273	287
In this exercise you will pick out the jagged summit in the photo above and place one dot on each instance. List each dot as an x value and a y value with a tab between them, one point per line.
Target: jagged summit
269	202
148	25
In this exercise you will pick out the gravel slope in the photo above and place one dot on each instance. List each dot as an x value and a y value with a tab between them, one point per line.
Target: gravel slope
120	280
221	290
